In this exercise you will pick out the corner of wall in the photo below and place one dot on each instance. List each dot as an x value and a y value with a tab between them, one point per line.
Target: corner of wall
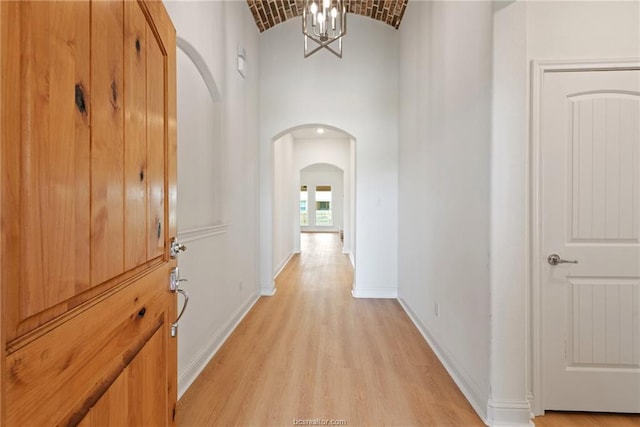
283	264
268	290
383	292
508	413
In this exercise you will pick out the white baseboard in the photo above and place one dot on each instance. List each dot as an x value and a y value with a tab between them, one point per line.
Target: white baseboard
387	292
532	405
466	385
267	290
353	262
191	372
283	265
509	413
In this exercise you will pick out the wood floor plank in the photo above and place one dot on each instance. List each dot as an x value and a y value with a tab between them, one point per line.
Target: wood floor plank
312	351
587	419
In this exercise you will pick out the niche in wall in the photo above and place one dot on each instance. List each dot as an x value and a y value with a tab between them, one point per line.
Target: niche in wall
200	145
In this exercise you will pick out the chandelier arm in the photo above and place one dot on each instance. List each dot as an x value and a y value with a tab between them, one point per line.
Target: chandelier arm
316	37
339	55
329	48
318	41
328	42
311	52
304	21
314	30
325	43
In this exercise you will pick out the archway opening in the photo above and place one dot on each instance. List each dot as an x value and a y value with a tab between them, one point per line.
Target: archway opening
313	189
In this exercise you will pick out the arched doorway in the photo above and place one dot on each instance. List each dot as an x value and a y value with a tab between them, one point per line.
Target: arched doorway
326	153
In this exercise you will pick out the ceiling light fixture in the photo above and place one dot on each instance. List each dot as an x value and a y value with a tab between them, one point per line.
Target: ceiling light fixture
320	131
324	22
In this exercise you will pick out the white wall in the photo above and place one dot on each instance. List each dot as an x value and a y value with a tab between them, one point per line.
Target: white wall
285	195
583	29
324	174
444	181
357	94
221	261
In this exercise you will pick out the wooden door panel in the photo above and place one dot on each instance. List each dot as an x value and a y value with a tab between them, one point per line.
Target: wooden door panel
111	408
135	60
54	193
107	142
83	204
134	398
147	401
50	383
156	121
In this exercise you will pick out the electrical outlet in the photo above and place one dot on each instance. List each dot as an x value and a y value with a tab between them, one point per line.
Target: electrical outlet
436	310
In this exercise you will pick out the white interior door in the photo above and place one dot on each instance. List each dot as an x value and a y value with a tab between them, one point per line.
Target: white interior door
590	195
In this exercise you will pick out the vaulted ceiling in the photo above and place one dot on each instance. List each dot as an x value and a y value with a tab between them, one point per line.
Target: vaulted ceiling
268	13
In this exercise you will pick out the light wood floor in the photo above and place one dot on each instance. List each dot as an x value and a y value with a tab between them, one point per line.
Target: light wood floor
312	352
586	419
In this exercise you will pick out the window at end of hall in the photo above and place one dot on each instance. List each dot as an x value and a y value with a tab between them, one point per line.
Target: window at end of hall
304	213
323	205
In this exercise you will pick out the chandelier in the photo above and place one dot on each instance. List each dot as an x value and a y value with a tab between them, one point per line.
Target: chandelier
324	22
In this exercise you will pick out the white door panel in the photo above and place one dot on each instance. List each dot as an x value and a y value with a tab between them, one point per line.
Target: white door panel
590	209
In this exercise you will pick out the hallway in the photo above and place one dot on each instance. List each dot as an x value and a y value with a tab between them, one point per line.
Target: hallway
312	351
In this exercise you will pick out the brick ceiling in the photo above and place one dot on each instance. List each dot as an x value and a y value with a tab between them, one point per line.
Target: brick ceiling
268	13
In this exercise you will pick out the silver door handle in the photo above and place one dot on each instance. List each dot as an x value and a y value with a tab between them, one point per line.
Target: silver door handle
554	259
174	286
174	325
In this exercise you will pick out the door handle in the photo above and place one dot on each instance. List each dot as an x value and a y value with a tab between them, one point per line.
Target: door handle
174	286
174	325
554	259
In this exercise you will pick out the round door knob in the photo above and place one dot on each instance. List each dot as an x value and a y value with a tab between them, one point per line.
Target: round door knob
176	247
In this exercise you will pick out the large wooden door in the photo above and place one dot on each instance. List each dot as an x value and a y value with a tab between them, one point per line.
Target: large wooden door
590	162
87	179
